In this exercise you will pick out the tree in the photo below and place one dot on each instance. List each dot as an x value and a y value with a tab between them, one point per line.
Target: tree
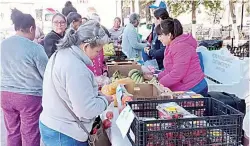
183	6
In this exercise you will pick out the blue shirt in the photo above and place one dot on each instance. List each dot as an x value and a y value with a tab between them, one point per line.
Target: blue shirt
131	43
23	64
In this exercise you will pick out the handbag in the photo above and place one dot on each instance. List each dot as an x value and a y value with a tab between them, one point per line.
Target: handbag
97	136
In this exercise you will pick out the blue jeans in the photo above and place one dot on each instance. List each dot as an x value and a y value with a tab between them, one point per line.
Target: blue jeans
51	137
145	56
201	88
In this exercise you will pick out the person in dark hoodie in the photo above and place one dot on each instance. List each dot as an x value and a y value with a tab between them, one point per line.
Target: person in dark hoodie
157	48
68	8
59	23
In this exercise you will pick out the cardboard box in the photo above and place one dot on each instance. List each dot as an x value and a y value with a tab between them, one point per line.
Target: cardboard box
150	92
122	67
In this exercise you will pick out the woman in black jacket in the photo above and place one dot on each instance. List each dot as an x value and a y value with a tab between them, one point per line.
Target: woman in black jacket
59	26
157	48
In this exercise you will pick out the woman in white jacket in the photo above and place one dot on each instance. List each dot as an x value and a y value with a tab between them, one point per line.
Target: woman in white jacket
67	77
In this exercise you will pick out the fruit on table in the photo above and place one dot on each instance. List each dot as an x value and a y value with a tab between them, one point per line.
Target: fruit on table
131	72
109	115
116	76
153	80
136	76
111	88
109	50
106	124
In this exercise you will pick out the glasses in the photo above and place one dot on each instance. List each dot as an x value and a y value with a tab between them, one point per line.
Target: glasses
61	23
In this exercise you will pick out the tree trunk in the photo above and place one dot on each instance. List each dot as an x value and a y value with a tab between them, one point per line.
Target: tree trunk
148	15
194	18
234	26
133	6
122	12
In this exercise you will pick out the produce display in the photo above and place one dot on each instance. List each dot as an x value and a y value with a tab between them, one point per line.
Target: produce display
117	76
172	110
110	89
102	80
136	76
108	49
178	123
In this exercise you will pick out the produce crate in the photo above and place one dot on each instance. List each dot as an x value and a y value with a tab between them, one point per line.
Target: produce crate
123	67
149	92
221	125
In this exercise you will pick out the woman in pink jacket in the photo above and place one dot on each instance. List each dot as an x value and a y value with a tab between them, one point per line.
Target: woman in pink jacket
182	70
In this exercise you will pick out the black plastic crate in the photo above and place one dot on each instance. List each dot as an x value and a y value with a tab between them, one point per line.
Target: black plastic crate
217	124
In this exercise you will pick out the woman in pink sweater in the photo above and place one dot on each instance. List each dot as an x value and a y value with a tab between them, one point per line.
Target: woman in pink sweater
98	67
182	70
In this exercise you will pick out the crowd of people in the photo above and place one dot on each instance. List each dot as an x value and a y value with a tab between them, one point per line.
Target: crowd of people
39	72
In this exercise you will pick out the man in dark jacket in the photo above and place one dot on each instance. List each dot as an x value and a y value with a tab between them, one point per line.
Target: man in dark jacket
68	8
157	48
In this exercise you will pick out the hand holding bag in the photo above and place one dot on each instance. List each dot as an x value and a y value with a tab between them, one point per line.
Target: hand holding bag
100	137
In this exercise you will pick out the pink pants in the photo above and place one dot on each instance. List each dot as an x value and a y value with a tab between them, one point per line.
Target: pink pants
21	117
246	141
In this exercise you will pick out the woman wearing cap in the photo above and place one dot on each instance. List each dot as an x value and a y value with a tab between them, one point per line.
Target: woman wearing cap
68	78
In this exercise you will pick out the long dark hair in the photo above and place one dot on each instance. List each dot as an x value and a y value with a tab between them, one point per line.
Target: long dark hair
21	21
170	25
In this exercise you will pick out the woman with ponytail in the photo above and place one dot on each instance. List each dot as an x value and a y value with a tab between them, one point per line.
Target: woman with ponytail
74	20
68	78
182	70
22	67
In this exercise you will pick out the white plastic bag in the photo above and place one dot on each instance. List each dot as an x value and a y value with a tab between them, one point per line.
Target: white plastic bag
102	80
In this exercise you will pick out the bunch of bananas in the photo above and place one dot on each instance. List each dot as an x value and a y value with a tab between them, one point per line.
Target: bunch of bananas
136	76
109	50
116	76
153	80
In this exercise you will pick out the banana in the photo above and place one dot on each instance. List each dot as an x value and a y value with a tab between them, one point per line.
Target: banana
153	80
137	79
131	72
134	75
141	79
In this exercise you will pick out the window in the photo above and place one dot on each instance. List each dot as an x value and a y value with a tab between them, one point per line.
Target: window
48	17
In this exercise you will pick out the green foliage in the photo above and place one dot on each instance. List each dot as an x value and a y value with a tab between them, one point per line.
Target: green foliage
182	6
247	8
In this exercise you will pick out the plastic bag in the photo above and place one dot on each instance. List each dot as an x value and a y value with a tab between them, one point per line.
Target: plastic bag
102	80
246	122
152	63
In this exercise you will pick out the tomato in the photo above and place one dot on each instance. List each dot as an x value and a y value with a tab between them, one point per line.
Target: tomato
106	124
94	131
109	115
